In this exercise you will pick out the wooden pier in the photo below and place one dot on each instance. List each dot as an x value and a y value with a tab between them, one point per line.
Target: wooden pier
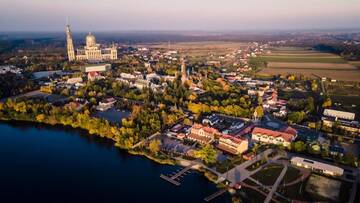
177	175
215	195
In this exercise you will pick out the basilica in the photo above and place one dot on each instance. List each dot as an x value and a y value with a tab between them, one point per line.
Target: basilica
91	52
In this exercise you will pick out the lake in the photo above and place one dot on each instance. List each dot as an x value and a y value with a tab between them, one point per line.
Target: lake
58	164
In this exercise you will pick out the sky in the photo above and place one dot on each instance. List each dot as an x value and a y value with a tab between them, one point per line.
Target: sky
172	15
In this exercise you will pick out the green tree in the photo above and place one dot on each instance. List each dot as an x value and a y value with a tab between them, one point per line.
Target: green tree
299	146
296	117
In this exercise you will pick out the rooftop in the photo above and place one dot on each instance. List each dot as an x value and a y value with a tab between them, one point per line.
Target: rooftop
286	136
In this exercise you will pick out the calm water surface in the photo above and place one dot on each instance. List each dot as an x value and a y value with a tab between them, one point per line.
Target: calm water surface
56	164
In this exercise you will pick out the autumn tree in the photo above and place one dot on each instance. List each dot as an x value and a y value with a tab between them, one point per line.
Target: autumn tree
327	103
259	111
154	146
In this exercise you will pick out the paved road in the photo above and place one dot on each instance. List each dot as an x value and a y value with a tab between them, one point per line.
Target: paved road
275	186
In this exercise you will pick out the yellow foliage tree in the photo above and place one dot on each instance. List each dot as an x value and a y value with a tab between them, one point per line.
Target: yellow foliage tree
40	117
154	146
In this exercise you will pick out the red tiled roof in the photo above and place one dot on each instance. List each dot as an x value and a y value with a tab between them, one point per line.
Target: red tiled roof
286	136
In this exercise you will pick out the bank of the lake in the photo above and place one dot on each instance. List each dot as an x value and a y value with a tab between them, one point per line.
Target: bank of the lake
43	163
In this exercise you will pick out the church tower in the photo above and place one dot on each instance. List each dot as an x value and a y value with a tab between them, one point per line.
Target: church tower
69	44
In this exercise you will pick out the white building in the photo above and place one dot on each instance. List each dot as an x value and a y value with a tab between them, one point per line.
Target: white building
73	81
317	166
339	114
9	69
97	68
106	104
91	52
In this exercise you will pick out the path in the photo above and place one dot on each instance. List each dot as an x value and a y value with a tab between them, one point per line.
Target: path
275	186
144	140
258	190
240	173
354	187
305	174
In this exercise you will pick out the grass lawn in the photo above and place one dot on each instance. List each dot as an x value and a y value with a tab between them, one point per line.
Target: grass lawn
291	175
229	164
269	174
250	195
256	165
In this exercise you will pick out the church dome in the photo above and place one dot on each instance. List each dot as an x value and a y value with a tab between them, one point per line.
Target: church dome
90	40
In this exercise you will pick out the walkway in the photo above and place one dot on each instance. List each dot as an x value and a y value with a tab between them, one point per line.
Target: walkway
240	173
256	188
275	186
354	187
144	140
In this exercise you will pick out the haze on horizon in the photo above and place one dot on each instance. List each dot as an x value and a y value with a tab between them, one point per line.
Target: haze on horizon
170	15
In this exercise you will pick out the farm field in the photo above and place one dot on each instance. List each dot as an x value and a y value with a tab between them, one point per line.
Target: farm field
319	66
203	49
345	75
202	45
355	63
310	63
304	59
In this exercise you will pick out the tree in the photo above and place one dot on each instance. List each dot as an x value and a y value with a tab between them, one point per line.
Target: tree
327	103
299	146
259	111
207	153
154	146
40	117
297	117
310	107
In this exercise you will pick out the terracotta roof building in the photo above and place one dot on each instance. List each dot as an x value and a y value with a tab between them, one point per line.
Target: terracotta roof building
202	134
272	137
232	144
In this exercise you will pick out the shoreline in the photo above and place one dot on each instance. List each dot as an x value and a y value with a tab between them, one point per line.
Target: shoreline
168	161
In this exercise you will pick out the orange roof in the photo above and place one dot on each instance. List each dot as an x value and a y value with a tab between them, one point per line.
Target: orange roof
286	136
